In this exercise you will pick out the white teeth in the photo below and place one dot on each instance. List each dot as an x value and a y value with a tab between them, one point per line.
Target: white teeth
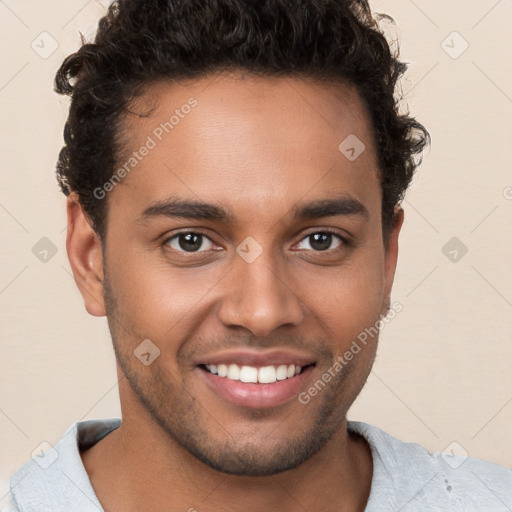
282	372
267	375
263	375
233	372
249	374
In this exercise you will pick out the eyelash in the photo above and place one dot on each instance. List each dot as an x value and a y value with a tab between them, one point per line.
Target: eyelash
344	241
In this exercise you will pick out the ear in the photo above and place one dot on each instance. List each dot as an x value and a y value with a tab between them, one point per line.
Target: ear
391	256
85	257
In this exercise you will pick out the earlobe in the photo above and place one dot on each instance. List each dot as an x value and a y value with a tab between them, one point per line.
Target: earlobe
85	257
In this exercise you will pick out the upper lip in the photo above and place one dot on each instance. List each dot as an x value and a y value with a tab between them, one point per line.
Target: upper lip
273	357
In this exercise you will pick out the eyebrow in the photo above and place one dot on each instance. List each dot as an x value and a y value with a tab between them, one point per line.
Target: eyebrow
330	207
175	207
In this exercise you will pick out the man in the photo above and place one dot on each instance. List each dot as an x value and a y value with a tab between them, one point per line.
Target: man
234	171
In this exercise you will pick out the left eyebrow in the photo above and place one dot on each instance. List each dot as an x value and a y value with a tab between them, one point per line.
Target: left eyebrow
343	206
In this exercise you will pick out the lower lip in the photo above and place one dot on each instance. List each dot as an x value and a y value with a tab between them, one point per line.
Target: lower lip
258	396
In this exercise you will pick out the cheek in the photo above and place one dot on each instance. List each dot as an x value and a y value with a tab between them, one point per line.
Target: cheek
350	299
156	299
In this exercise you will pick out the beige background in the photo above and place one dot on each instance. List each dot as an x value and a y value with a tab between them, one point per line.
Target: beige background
443	370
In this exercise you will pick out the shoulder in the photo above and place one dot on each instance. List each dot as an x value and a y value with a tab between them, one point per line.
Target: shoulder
410	477
56	476
7	504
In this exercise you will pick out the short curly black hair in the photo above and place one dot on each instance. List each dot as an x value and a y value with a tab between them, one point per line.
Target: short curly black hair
140	42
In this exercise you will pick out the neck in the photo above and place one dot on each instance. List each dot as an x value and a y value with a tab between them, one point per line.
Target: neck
139	467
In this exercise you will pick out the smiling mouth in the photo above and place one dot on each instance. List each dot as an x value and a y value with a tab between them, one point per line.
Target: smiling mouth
257	375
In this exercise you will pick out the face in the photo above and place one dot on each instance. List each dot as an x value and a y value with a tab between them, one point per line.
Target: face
245	241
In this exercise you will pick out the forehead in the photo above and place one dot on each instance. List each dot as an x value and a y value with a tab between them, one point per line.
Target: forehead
248	142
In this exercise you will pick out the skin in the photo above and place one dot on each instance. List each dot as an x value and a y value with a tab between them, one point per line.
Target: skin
258	147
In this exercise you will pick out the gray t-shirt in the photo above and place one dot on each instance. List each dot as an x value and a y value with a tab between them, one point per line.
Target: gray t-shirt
406	477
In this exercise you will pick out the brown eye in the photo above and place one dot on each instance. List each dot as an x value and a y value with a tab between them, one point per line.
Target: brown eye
322	241
188	242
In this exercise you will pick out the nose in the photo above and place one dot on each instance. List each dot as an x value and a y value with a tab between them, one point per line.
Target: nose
259	297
